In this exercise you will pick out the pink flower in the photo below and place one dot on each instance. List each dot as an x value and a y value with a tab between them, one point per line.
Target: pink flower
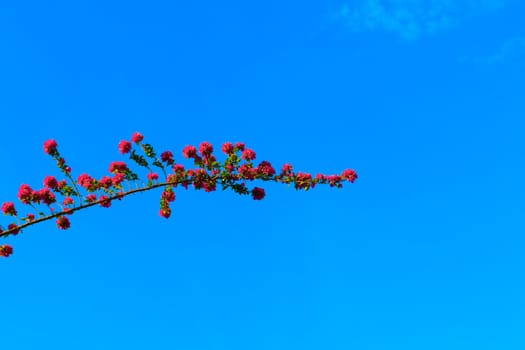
167	157
227	148
50	147
30	217
63	223
105	181
153	176
6	250
51	182
165	212
303	180
265	168
189	152
248	154
105	202
117	167
209	159
168	195
8	208
62	184
239	146
286	169
117	179
205	148
85	181
178	168
35	196
209	186
334	180
258	193
90	198
25	194
67	201
247	172
124	147
14	228
137	137
172	179
349	175
46	196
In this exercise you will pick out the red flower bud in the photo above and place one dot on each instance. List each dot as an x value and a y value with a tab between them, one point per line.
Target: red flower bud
118	167
248	154
63	223
349	175
6	250
167	157
50	147
205	148
105	202
124	147
8	208
227	148
258	193
189	152
51	182
137	137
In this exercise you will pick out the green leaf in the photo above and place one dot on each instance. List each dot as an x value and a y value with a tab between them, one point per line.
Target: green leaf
148	150
158	164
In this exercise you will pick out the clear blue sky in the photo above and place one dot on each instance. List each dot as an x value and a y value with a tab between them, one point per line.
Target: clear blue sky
425	99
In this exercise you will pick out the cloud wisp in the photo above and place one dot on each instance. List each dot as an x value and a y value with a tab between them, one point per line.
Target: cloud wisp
411	19
511	50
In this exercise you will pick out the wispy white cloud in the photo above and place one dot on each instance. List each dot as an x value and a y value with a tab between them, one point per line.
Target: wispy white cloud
512	49
411	19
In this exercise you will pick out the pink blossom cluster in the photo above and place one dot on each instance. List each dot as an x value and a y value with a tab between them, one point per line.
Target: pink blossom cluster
207	174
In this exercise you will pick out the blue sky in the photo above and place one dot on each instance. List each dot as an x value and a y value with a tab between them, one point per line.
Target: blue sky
423	98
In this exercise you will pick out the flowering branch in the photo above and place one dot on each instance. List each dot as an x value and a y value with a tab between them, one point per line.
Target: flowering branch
233	173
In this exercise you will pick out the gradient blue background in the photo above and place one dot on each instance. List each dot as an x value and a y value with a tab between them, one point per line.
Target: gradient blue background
425	99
